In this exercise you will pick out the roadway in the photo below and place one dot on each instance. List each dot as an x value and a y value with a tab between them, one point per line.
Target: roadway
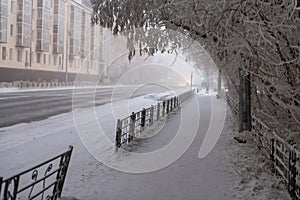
33	105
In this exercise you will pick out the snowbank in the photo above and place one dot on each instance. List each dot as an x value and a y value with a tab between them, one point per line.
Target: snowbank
253	177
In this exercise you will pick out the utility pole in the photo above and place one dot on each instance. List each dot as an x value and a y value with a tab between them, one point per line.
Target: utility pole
245	119
102	67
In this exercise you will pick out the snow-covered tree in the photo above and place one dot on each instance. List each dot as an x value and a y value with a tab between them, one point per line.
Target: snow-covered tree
262	37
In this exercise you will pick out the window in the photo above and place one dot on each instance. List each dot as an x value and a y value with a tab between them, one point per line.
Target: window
12	5
55	60
33	35
24	23
11	54
27	57
33	13
38	57
32	57
44	58
3	53
19	55
60	63
49	60
11	30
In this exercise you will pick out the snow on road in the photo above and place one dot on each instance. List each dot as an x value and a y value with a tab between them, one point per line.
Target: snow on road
8	90
11	137
214	177
14	89
56	133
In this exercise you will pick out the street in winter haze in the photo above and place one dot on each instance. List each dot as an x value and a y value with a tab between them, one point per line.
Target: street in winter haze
166	100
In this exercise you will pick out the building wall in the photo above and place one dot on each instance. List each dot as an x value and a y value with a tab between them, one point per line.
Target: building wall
58	33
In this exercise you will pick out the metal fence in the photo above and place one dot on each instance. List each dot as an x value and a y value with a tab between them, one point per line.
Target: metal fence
44	181
233	104
133	126
285	157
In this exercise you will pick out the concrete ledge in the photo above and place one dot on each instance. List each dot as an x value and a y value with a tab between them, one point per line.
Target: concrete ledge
14	74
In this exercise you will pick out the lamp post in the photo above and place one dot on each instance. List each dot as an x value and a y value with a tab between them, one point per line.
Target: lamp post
191	80
67	49
219	94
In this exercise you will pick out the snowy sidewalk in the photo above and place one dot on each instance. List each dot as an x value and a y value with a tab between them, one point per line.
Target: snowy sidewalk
188	177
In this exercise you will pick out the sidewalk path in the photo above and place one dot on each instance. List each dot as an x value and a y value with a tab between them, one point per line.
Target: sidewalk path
188	178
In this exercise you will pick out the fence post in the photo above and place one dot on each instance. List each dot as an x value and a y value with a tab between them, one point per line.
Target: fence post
151	114
272	153
272	149
143	118
118	135
275	157
294	180
171	106
1	180
292	174
132	127
164	108
174	103
158	111
168	104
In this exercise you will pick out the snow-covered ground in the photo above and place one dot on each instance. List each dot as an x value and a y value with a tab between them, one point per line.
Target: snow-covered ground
228	172
252	171
11	137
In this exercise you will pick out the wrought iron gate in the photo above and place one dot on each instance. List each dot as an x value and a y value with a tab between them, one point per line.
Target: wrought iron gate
44	181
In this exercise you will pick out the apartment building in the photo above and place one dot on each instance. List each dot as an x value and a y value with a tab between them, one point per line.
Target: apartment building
48	39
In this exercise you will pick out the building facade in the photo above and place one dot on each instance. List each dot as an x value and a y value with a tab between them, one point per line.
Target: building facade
53	38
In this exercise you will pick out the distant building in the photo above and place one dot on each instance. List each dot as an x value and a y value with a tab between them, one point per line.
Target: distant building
48	39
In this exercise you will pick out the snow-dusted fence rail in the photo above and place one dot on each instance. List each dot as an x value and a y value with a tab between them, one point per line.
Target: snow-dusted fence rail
44	181
285	157
132	126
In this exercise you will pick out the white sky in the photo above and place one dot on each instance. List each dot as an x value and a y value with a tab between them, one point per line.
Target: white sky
115	51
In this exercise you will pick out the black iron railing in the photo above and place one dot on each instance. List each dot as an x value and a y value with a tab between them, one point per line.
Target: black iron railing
44	181
132	126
